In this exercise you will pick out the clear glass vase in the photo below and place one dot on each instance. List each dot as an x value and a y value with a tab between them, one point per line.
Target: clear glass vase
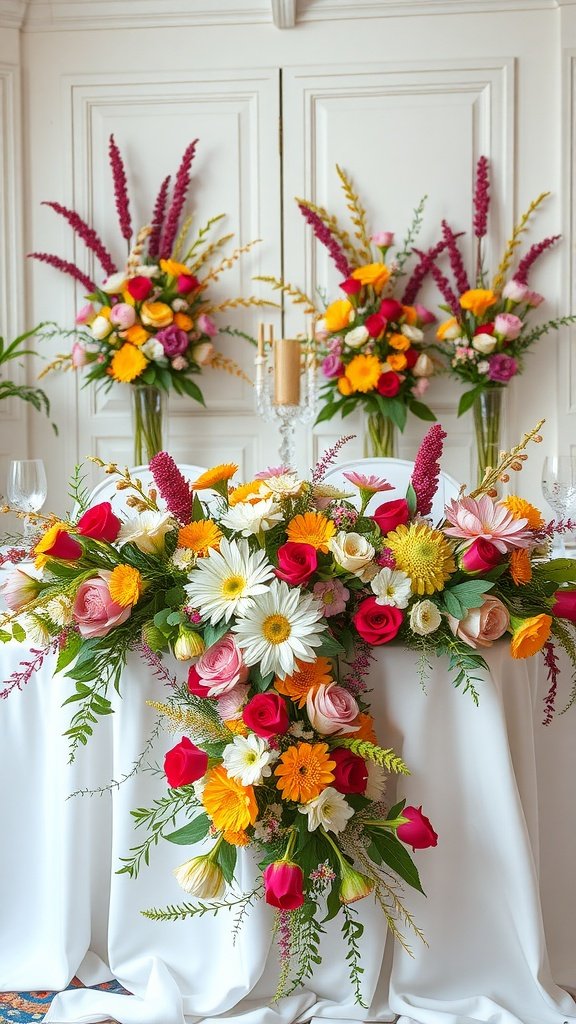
148	422
488	409
380	436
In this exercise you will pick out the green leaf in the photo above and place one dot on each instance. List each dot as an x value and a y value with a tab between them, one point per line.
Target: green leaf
18	633
396	811
69	651
467	399
192	390
333	904
411	498
258	681
4	636
197	510
191	833
420	410
561	570
175	597
468	595
396	856
213	633
329	647
327	412
227	860
176	619
453	605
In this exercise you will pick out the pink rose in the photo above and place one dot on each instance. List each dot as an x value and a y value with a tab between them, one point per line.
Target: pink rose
296	562
79	355
332	366
231	703
565	604
173	339
421	387
220	668
94	611
186	283
266	715
483	625
508	326
417	832
331	709
383	239
425	316
284	885
333	595
123	316
533	299
86	314
481	556
515	291
206	325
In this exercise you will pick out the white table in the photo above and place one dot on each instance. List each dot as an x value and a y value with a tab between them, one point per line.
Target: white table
496	785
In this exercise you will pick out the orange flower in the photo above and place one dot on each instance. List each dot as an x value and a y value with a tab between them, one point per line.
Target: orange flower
236	838
231	807
448	330
127	364
410	315
216	475
399	341
307	677
200	536
478	300
311	528
304	771
344	386
365	728
183	321
156	314
530	635
375	274
47	541
337	316
136	335
397	361
236	725
173	268
125	585
520	566
363	372
522	509
250	492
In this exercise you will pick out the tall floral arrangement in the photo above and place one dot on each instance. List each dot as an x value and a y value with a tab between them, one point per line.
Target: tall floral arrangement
149	321
371	338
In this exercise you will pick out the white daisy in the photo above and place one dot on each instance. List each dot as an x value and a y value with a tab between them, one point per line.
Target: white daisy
249	759
278	627
249	520
330	810
393	587
36	630
284	485
147	531
224	583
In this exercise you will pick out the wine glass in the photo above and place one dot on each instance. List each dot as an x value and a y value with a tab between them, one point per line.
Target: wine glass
27	490
559	489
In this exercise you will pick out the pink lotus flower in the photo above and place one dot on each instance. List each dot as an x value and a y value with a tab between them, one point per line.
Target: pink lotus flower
472	518
374	484
333	595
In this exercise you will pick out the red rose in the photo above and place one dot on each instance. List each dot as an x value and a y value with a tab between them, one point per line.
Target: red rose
186	283
184	764
565	604
377	623
283	884
411	355
296	562
391	309
388	384
64	547
196	683
351	286
266	715
417	832
481	556
350	773
391	514
100	523
484	329
375	324
139	287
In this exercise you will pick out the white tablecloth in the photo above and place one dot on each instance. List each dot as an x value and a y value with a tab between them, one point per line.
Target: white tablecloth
497	786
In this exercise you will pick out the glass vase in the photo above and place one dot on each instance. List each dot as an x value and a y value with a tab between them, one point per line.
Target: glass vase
488	423
148	421
380	437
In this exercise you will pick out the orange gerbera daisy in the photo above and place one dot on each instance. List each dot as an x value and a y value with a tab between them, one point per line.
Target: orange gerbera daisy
344	385
311	528
522	509
125	585
363	372
136	335
520	566
236	725
307	677
200	536
214	477
304	771
127	364
530	636
364	730
250	492
231	806
236	838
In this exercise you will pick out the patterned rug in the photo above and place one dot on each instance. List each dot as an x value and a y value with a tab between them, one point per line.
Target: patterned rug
30	1007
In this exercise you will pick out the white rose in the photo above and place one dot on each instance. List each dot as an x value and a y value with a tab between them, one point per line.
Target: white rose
178	305
423	367
357	337
413	333
152	349
484	343
114	284
352	551
515	291
100	327
424	618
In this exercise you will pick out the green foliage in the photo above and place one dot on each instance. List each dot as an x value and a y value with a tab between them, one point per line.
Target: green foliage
386	848
179	912
191	833
460	598
406	251
385	758
468	398
157	820
352	931
77	490
8	389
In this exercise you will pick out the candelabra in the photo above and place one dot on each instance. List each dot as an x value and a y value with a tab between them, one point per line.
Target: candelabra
286	386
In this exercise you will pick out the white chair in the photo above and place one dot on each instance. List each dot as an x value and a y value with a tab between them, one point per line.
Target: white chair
106	489
397	472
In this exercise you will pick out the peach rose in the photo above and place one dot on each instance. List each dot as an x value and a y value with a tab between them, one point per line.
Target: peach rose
331	709
94	611
156	314
482	625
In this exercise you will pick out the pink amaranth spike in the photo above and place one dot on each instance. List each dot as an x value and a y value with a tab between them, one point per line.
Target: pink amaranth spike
172	486
90	238
181	184
65	267
325	236
120	189
427	468
532	255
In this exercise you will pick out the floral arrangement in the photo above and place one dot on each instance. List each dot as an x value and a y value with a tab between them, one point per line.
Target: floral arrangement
488	329
371	338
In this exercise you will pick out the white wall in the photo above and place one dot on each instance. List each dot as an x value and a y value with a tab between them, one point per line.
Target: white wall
405	103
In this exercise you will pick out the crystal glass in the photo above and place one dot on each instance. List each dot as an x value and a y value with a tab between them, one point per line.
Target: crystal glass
27	489
559	489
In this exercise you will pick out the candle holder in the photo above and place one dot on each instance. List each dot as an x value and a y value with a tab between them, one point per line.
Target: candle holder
286	386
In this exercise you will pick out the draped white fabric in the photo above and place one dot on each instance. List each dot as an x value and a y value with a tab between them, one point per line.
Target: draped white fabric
496	785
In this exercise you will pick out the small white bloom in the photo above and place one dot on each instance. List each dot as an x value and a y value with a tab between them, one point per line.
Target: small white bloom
393	587
59	609
183	558
330	810
199	786
100	327
356	337
250	520
152	349
300	732
376	784
483	366
249	759
178	305
424	618
352	551
147	531
285	485
148	270
201	877
484	343
36	630
423	367
114	284
413	333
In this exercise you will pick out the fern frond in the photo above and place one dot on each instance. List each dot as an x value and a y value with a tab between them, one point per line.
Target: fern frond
357	216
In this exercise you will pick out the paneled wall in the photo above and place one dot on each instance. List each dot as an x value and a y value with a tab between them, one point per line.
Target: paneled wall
405	103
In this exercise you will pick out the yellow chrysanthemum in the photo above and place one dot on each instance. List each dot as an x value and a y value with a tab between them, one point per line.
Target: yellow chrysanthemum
363	372
304	771
200	536
520	566
522	509
306	677
250	492
530	636
423	554
231	806
311	528
127	364
216	475
125	585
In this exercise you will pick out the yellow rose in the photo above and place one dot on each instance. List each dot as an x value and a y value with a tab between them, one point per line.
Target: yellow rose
478	300
173	268
183	321
156	314
136	335
375	274
399	342
530	635
337	316
344	386
448	330
397	361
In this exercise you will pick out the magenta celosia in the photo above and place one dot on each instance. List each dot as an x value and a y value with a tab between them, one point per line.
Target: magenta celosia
328	458
181	184
120	189
158	219
481	197
531	256
427	468
65	267
172	486
90	238
422	269
324	235
456	261
444	287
